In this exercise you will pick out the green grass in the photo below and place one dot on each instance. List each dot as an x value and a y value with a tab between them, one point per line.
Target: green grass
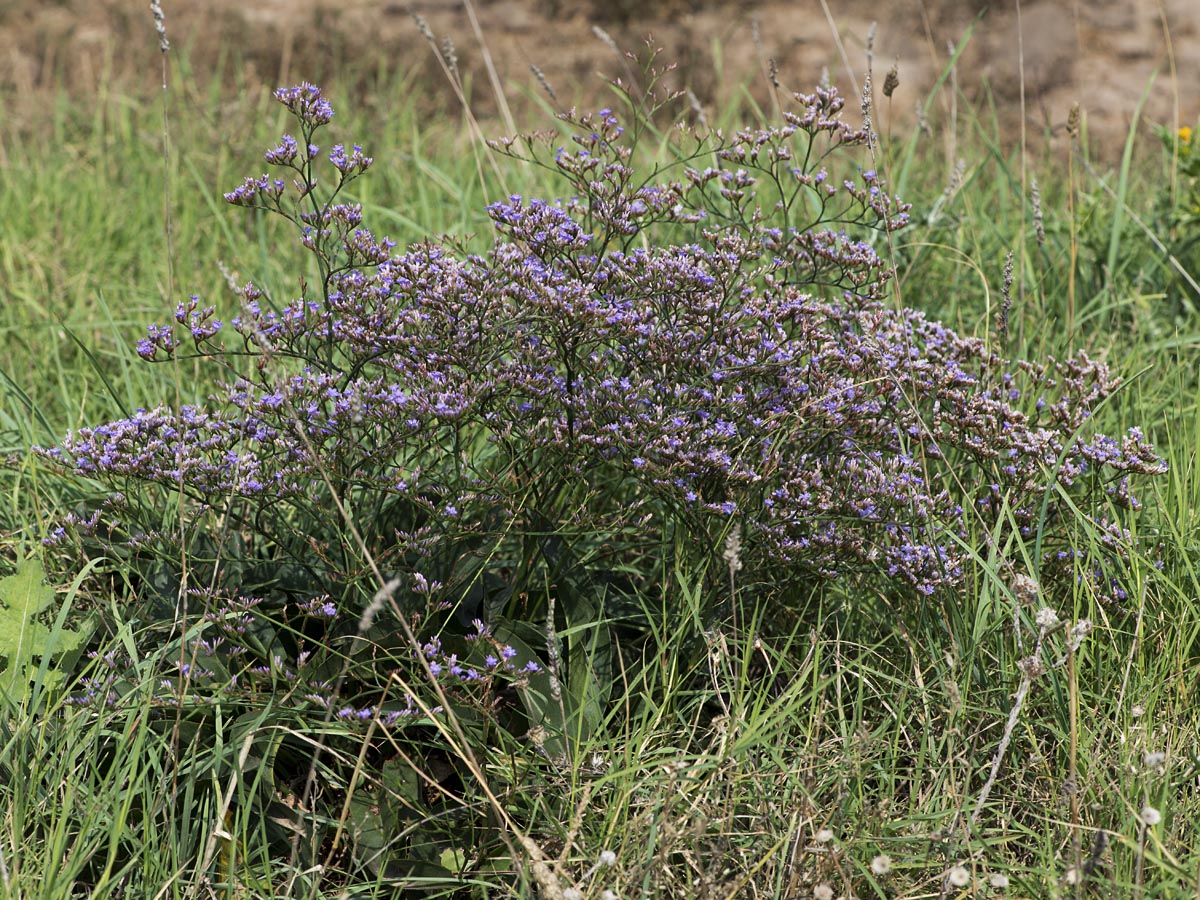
829	732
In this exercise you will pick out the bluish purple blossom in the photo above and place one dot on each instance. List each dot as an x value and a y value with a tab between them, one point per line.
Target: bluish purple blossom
306	104
690	348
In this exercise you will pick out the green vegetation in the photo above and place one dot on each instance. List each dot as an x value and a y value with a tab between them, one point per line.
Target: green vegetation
845	737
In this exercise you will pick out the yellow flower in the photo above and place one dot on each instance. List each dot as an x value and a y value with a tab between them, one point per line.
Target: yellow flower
1185	135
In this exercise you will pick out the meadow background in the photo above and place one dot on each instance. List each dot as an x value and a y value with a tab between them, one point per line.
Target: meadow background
728	730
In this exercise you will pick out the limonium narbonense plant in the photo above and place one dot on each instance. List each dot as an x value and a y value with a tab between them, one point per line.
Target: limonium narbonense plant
659	353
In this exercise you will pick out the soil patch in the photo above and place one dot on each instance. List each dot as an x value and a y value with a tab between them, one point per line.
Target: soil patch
1102	54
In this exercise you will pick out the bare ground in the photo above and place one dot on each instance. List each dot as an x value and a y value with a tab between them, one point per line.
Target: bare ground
1102	54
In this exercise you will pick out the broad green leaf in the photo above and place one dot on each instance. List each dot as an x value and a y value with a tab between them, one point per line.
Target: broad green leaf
23	598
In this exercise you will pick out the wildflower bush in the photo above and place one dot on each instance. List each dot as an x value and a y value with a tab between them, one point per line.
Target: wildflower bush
518	443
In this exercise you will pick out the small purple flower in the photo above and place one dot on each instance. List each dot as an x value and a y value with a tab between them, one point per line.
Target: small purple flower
353	164
572	377
283	153
262	191
306	103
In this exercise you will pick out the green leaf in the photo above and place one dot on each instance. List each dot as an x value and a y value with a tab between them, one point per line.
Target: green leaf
589	651
23	597
452	860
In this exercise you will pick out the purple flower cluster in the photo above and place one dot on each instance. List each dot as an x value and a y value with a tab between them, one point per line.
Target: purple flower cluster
306	103
720	345
499	659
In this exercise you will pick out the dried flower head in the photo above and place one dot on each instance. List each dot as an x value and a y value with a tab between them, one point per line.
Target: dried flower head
958	876
160	25
1079	631
1153	759
892	80
1032	667
1046	619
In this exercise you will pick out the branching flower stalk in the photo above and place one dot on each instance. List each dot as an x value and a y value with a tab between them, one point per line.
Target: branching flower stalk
1032	667
641	360
708	376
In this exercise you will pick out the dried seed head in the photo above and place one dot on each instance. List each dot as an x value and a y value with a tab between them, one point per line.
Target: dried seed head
957	176
606	39
423	27
541	79
892	81
1039	228
1024	587
923	120
230	276
1079	631
958	876
867	92
450	55
160	25
733	548
1073	121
